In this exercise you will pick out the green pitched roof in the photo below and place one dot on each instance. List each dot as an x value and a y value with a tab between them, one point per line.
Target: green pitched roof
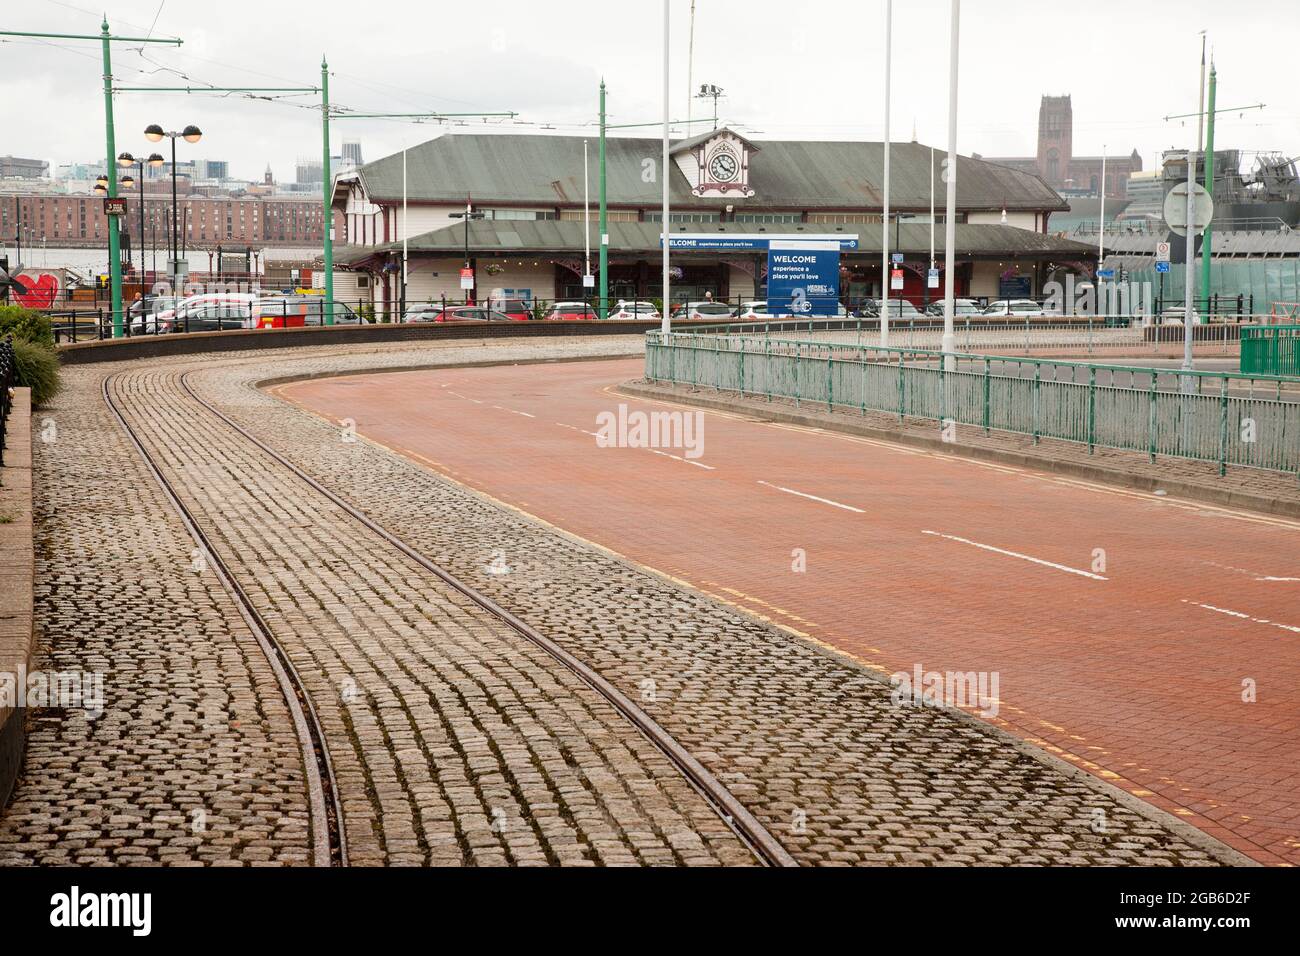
536	170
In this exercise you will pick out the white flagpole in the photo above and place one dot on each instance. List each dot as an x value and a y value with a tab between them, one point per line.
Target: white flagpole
884	229
950	222
666	322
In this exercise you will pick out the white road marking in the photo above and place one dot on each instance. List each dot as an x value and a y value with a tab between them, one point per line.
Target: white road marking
1243	616
825	501
1017	554
1257	575
697	464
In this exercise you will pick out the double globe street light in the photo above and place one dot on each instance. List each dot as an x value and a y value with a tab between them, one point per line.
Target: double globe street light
155	134
127	161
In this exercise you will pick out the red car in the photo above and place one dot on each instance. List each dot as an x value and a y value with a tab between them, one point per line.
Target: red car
571	312
461	313
518	310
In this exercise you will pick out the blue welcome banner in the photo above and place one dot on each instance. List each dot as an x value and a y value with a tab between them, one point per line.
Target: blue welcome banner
803	277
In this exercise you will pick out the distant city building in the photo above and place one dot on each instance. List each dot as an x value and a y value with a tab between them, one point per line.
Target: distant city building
1146	195
80	171
212	169
308	172
18	168
1056	163
80	220
352	154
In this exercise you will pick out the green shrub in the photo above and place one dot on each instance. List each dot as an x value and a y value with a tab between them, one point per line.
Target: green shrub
38	369
25	324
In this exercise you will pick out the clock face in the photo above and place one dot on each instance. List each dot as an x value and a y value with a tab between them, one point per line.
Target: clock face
724	167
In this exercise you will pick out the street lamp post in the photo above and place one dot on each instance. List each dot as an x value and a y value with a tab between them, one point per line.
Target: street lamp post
467	215
128	161
191	134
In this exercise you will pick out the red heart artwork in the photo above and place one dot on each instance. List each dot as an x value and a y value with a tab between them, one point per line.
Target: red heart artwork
41	291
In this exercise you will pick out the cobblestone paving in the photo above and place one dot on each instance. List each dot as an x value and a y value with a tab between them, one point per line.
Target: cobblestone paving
193	760
453	739
812	744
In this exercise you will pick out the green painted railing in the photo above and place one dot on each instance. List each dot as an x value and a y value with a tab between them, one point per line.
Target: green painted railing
1223	417
1270	349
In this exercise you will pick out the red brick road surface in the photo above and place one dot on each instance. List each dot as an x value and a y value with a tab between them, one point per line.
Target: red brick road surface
1125	630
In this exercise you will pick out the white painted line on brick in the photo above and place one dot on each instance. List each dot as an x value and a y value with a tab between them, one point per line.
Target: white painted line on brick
1017	554
825	501
697	464
1240	615
1280	580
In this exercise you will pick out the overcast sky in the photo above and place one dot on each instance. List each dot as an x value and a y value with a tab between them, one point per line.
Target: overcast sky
811	69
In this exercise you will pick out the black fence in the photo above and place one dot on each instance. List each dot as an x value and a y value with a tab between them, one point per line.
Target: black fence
8	380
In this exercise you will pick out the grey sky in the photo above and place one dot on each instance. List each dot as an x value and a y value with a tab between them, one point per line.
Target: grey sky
811	70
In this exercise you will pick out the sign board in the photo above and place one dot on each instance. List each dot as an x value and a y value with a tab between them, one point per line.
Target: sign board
114	206
1162	267
1105	273
1176	209
897	258
932	279
467	279
803	277
689	241
1162	252
588	282
896	280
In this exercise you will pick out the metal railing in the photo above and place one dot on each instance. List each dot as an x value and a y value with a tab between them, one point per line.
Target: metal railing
1220	417
8	379
1120	336
1272	350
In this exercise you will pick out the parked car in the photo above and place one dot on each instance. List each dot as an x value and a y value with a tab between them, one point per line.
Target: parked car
517	309
752	310
898	309
212	312
298	311
143	316
460	313
571	311
960	307
634	310
703	310
1020	308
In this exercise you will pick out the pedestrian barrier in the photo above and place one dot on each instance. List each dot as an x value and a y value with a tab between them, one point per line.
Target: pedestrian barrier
1121	336
1270	350
1231	419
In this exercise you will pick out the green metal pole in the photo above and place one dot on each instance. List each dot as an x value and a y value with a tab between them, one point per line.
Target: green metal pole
1207	246
603	310
110	170
327	189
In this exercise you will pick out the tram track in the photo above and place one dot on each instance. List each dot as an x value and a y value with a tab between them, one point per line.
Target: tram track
329	843
765	847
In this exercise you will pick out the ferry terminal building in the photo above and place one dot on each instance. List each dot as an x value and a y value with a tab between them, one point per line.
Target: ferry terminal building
530	243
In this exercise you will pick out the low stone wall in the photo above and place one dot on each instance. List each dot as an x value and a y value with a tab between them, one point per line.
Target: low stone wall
17	572
239	340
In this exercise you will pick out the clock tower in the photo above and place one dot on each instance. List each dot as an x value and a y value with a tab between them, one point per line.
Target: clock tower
717	164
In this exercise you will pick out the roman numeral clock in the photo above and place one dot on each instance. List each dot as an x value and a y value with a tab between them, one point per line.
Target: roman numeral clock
721	161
